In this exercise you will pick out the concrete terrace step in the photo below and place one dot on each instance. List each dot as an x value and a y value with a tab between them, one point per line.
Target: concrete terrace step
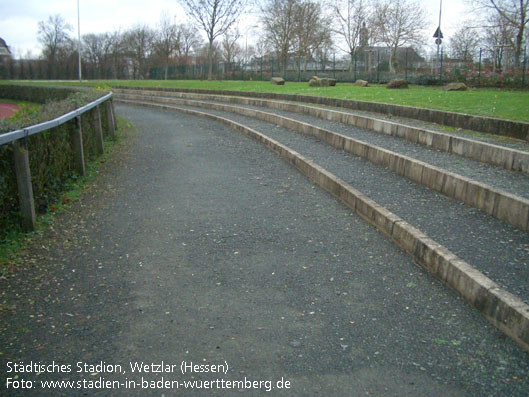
503	309
479	146
510	206
494	126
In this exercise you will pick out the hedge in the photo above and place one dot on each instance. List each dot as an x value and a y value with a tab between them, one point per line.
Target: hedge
50	152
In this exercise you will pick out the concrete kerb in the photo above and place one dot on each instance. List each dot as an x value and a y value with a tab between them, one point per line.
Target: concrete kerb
502	309
454	186
510	159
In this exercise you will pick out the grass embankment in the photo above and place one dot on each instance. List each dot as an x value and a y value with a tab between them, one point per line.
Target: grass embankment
511	105
15	240
504	104
19	103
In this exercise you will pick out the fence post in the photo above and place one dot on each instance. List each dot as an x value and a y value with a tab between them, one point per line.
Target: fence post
479	69
25	189
114	119
261	68
441	69
98	131
299	68
378	66
355	75
334	65
523	67
77	146
406	69
110	118
272	67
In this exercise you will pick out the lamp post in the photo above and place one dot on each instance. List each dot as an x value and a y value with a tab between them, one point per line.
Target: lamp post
79	39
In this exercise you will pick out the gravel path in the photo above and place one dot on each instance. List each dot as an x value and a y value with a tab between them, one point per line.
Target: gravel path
512	182
198	244
499	250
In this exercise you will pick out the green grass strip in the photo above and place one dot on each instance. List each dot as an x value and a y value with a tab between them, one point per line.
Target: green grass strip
498	103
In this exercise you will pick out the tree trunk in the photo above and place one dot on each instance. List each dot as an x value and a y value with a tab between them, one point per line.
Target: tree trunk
518	49
391	59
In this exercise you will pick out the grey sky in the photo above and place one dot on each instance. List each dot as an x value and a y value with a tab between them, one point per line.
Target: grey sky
19	18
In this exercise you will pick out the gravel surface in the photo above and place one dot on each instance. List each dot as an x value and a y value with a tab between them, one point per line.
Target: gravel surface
197	244
479	136
512	182
499	250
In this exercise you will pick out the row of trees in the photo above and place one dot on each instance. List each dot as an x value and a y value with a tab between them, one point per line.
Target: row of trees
304	29
127	54
502	29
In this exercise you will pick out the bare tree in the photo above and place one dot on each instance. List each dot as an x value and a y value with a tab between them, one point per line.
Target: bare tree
312	30
464	43
514	13
138	42
53	35
98	51
116	49
279	25
499	35
215	17
166	40
351	19
189	40
398	23
230	49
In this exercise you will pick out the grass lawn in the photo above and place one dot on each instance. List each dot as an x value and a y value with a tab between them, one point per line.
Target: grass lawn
505	104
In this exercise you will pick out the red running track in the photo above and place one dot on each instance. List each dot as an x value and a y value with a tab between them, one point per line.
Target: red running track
7	109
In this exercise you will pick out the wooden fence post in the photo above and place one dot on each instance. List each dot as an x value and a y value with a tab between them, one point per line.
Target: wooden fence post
98	131
77	146
110	118
25	189
114	116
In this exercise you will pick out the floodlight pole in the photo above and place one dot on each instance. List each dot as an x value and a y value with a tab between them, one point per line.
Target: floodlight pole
79	39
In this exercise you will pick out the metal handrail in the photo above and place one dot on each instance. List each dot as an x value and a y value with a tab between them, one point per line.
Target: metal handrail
35	129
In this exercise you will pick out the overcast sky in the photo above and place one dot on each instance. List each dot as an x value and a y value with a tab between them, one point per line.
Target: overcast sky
19	18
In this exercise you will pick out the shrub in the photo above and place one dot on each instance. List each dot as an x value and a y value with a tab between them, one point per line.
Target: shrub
50	152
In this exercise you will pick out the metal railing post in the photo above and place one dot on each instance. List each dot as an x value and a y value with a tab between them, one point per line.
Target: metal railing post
25	189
